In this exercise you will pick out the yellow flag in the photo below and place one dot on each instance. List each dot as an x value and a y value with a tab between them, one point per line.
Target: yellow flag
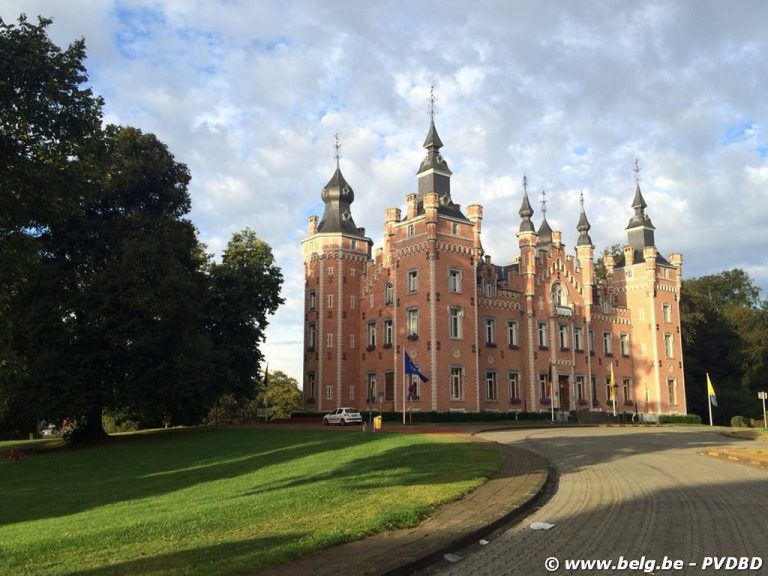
613	385
711	391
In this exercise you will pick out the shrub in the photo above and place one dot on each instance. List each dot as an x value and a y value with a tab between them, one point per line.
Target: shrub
741	422
679	419
114	421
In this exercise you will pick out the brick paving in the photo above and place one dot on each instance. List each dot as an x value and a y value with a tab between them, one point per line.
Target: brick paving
631	494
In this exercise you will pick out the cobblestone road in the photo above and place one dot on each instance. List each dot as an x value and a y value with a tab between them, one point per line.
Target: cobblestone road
629	494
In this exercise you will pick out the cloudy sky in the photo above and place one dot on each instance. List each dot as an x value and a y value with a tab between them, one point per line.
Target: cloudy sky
249	94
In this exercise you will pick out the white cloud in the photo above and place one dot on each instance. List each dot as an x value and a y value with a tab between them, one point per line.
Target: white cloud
250	94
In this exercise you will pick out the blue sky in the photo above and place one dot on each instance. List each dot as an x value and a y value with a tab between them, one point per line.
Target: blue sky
250	94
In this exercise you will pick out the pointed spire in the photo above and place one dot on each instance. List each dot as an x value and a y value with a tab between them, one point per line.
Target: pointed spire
526	211
583	226
337	146
640	228
545	231
433	140
434	176
338	197
638	203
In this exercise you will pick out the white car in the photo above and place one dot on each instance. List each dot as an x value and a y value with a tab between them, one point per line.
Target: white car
343	416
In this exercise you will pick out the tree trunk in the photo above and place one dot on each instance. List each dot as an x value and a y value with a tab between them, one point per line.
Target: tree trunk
89	428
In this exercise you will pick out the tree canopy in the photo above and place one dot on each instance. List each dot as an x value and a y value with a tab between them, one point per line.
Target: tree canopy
725	333
108	300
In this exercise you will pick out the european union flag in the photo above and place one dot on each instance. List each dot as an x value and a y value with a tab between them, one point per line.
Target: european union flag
411	368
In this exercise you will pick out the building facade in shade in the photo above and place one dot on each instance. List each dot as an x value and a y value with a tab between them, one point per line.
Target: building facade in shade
539	333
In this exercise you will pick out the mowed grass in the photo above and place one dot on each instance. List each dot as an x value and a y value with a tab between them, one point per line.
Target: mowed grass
227	501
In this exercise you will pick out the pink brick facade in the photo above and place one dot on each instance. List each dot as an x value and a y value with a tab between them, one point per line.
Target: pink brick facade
488	337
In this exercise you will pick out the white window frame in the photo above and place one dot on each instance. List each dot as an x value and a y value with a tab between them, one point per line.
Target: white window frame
370	331
608	343
389	331
490	331
669	345
626	388
672	391
542	334
456	380
413	281
412	322
543	382
513	384
389	294
513	333
455	322
624	343
454	281
491	386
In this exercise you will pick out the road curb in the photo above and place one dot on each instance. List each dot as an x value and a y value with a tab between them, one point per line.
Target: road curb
731	457
543	492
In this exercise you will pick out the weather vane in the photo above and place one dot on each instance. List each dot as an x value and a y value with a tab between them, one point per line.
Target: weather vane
637	171
432	102
337	147
544	203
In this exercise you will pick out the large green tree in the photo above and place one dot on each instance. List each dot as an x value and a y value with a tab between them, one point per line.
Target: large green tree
107	299
245	291
50	146
725	334
111	317
281	395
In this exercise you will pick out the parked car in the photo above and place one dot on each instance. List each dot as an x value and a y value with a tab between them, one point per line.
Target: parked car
343	416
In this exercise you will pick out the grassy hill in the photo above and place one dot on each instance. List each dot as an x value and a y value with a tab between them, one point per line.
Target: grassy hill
204	501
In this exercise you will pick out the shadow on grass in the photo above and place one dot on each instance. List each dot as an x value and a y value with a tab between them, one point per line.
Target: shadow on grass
72	480
404	465
229	556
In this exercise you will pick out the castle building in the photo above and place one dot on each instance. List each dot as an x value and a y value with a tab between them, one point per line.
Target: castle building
541	333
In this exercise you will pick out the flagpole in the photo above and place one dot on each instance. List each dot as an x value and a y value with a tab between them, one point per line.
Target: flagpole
552	390
709	400
404	374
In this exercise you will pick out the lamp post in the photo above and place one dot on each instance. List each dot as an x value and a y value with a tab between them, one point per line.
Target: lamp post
762	396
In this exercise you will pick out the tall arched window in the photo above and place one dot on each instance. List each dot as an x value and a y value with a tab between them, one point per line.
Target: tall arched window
559	295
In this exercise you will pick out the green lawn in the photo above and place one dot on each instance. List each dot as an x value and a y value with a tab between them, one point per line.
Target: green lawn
228	501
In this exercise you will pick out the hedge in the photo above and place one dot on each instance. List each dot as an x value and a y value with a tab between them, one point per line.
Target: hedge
679	419
436	417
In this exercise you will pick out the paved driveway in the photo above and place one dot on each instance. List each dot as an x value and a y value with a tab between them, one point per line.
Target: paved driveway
633	497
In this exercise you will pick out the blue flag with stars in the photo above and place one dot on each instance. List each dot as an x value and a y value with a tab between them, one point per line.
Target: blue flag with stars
411	368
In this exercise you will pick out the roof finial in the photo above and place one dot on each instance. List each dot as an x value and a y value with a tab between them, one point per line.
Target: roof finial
432	102
581	199
544	204
525	184
337	147
637	172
